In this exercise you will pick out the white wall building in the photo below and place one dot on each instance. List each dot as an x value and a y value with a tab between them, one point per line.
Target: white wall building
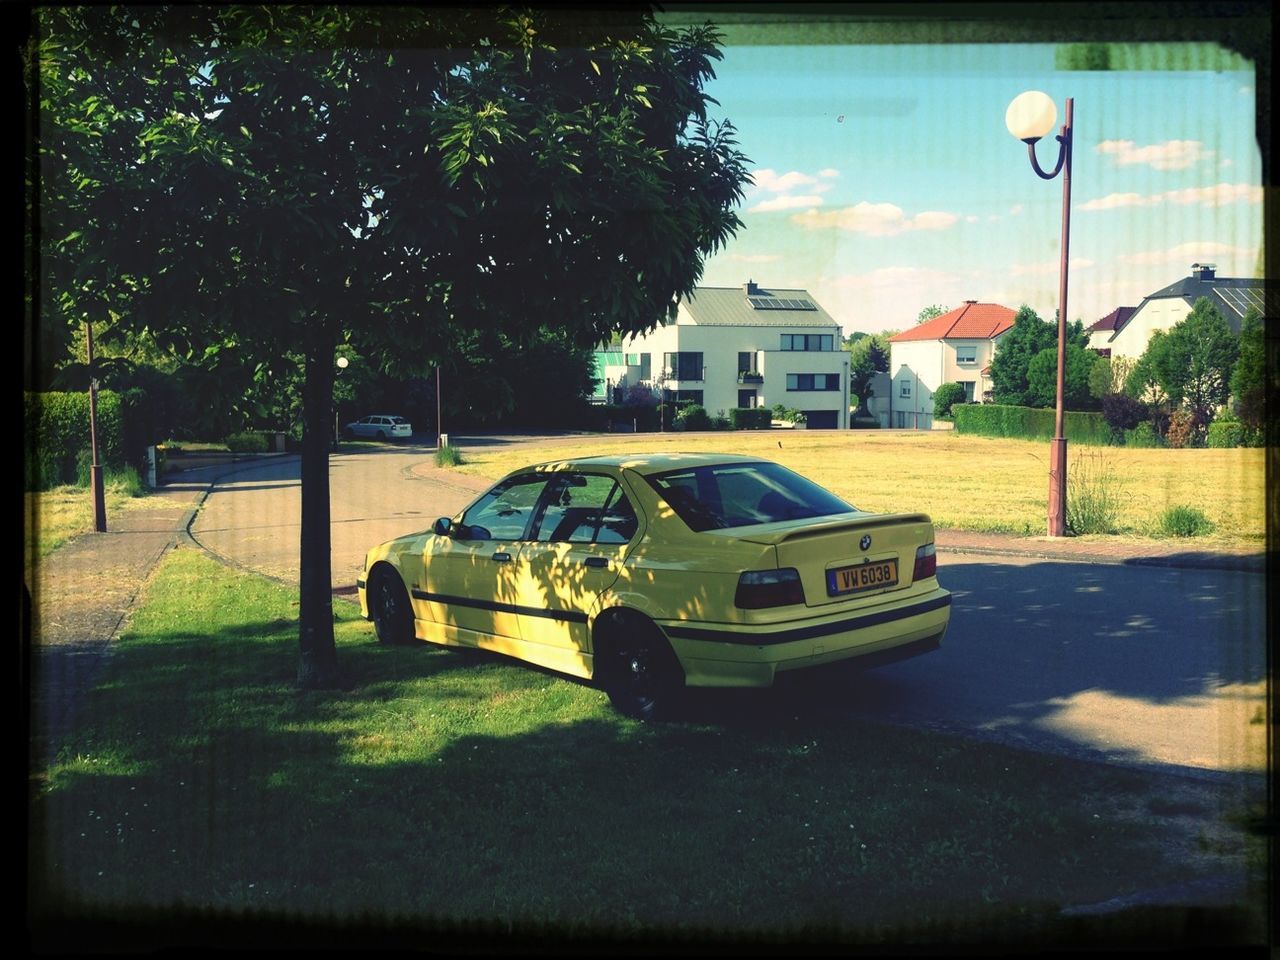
1161	310
742	347
956	347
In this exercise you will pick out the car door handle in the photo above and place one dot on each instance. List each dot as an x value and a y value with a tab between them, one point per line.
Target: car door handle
501	557
595	562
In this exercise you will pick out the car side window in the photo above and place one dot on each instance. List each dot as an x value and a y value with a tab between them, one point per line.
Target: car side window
504	512
585	508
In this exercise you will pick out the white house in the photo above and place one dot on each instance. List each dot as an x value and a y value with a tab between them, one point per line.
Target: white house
1161	310
956	347
1101	331
741	347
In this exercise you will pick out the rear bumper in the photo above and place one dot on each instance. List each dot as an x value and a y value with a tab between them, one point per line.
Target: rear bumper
738	656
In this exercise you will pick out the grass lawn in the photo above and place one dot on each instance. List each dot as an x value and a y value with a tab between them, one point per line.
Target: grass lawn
52	517
464	792
963	482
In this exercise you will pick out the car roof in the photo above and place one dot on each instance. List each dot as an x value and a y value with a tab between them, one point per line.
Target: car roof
646	463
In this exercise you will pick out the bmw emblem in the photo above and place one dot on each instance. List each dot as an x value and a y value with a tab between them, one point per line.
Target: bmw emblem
865	543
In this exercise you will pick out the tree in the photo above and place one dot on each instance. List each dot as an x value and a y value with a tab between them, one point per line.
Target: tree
1042	378
945	397
929	313
1201	353
1249	377
1148	373
868	356
1018	345
247	182
1108	376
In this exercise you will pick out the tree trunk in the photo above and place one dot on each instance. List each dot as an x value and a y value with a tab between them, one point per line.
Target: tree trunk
318	666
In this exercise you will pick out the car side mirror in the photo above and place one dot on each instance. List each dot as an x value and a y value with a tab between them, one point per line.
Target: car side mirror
443	527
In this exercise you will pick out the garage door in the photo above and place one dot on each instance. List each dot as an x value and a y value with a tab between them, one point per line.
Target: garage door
822	419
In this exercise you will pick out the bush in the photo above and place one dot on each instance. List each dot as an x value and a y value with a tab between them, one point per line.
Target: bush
1184	430
1028	423
693	417
246	442
1123	412
750	418
56	430
1180	521
1143	435
788	414
1226	431
449	456
945	396
1094	495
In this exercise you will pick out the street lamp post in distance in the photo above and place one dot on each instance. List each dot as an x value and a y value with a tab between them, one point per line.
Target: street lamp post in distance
342	363
1031	116
95	468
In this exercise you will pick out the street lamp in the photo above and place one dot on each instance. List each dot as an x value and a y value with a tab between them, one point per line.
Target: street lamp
1030	116
342	363
95	468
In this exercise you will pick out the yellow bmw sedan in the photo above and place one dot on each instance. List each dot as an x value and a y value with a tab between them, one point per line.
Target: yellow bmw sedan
649	574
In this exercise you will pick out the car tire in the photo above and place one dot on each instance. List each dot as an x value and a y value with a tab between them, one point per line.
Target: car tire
382	435
389	608
637	667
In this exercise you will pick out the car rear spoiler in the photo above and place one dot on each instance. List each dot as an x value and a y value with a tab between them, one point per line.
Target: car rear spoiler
776	533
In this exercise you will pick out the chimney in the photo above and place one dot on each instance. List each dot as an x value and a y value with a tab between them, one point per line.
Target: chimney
751	289
1203	271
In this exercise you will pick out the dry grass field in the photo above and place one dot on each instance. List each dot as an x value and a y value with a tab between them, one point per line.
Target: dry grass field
963	482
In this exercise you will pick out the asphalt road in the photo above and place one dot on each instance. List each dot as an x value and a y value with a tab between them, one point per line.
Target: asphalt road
1143	665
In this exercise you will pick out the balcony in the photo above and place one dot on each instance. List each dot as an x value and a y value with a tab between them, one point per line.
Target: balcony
750	376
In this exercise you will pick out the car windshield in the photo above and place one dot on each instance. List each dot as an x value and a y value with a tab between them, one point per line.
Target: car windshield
743	494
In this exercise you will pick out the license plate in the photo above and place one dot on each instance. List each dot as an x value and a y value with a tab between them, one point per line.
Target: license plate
865	576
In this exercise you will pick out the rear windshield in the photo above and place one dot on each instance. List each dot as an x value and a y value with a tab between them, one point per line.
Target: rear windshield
743	494
399	420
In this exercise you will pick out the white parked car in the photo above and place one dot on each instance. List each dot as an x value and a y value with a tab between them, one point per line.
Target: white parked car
380	426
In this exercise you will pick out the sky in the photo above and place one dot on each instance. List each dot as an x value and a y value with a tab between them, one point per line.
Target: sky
885	180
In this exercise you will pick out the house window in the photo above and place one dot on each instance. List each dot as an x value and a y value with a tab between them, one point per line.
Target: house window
808	341
746	398
966	354
968	390
904	388
746	361
813	381
683	366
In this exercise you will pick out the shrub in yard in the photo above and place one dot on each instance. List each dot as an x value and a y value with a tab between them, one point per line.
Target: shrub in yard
945	397
1226	431
1123	412
693	417
750	418
1143	435
1183	431
1095	495
56	429
448	456
1028	423
1181	521
246	442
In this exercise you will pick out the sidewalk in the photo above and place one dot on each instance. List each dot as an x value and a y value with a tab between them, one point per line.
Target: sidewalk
84	590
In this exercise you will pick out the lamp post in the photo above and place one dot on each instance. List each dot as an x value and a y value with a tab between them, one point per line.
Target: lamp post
342	363
1030	116
95	468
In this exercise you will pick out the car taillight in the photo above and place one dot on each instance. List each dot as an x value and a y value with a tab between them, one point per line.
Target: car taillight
926	562
769	588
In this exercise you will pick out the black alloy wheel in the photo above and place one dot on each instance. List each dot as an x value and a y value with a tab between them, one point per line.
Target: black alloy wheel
640	673
389	605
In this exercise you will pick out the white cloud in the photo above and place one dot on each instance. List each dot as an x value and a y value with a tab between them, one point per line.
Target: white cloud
829	173
1016	209
786	203
1170	155
1185	254
875	219
1215	196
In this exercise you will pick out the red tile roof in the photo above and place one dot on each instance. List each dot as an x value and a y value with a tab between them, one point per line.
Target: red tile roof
969	321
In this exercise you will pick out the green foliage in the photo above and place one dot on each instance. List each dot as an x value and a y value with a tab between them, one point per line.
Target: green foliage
1095	495
1144	435
1017	346
931	312
750	418
56	431
693	417
1249	376
1184	430
449	456
1183	521
1199	355
246	442
1148	374
1028	423
788	414
945	396
868	355
1042	378
1228	431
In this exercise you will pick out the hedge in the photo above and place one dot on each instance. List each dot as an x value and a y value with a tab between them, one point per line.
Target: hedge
751	418
1028	423
55	429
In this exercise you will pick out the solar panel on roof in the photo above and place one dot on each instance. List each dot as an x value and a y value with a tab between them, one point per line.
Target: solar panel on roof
780	303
